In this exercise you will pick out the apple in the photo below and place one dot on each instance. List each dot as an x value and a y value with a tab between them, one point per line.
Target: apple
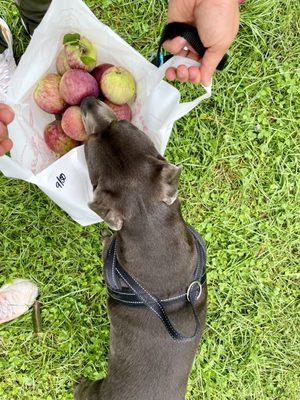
57	140
61	62
99	71
118	85
72	124
77	84
122	111
79	52
47	94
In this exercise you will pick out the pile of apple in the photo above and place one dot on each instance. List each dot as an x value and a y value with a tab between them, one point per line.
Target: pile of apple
77	78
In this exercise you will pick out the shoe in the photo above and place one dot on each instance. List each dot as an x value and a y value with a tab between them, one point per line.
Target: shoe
7	62
16	298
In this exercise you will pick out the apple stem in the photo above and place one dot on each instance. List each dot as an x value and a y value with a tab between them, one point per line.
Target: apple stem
82	48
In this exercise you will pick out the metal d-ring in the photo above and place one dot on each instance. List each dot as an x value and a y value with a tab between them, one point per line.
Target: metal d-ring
191	287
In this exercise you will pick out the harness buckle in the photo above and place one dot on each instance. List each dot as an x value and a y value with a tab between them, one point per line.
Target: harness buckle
188	293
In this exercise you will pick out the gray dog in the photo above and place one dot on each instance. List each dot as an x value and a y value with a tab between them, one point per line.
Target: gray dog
135	192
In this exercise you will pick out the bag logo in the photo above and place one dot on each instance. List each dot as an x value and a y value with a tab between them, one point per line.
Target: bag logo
60	181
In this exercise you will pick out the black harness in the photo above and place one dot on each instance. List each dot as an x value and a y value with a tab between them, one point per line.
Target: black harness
135	295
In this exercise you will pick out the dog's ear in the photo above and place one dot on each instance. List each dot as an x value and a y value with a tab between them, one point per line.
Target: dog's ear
98	118
104	204
169	178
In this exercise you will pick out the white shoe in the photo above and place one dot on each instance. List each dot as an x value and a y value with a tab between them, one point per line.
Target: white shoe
7	61
16	299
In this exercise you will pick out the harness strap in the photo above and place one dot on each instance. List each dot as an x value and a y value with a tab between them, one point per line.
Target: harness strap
156	306
136	295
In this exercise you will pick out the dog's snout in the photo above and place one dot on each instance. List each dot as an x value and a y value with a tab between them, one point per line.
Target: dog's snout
88	103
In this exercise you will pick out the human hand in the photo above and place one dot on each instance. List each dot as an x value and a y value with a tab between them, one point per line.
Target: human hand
6	116
217	22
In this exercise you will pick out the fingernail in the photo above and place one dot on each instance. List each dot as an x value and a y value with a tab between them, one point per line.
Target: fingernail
206	82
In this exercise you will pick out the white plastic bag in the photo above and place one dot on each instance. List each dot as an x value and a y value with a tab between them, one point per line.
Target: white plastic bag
65	180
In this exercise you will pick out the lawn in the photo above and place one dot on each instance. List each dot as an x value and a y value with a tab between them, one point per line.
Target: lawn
239	188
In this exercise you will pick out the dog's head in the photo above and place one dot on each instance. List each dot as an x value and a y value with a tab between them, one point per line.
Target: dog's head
127	172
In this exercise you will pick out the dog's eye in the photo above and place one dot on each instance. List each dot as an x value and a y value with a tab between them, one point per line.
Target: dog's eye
94	187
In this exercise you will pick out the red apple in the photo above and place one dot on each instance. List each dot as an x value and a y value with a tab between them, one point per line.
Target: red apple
122	112
72	124
47	95
57	140
77	84
99	71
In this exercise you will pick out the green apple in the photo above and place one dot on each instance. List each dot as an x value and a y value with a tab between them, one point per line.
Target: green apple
79	52
118	85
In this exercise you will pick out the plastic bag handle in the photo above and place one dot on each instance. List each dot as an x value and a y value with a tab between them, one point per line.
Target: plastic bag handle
182	108
190	34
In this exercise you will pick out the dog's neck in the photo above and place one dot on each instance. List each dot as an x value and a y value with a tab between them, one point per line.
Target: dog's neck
157	249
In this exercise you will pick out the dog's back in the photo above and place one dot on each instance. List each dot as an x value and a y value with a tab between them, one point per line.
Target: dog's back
135	192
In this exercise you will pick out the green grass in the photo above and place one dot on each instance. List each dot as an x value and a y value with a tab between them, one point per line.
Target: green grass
239	189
